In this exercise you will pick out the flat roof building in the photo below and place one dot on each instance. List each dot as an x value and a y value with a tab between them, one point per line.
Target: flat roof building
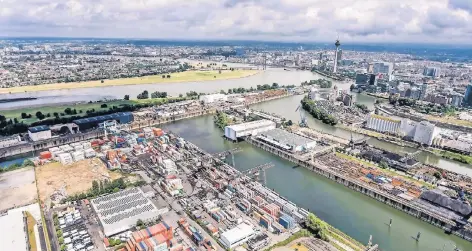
286	140
41	132
234	132
237	235
88	123
120	211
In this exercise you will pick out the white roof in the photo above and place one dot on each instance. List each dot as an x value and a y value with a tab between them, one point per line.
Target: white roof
13	234
251	125
237	233
119	211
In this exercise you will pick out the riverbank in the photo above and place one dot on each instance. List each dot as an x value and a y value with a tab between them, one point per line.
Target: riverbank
186	76
328	75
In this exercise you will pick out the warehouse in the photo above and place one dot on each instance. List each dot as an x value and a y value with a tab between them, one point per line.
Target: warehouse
12	227
89	123
286	140
213	98
237	235
120	211
234	132
41	132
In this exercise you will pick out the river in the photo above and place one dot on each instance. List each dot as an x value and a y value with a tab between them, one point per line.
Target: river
353	213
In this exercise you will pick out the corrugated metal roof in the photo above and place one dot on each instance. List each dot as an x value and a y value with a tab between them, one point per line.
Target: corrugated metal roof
102	118
40	128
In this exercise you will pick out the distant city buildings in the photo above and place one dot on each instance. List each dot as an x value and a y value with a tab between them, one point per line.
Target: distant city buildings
365	79
468	95
383	68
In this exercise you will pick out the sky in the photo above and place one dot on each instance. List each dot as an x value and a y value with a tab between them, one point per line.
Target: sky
419	21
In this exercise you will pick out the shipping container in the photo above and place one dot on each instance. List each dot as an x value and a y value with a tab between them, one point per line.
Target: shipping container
45	155
197	238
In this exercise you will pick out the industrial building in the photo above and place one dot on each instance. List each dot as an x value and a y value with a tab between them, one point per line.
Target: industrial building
41	132
234	132
383	124
10	140
286	140
13	227
93	122
213	98
425	133
120	211
237	235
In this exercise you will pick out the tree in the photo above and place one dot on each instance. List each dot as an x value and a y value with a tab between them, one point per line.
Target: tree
383	165
289	123
126	97
101	188
40	115
139	223
163	76
352	87
317	227
68	111
181	95
143	95
168	76
437	175
61	240
95	187
24	115
275	85
56	114
102	81
15	120
104	106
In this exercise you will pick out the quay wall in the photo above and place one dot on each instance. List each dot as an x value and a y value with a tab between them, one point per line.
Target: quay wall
384	197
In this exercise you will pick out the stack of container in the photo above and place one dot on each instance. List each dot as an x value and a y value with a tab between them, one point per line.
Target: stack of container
45	155
66	148
156	238
266	221
78	155
286	221
258	201
78	148
289	208
216	216
86	145
89	153
65	158
157	132
272	209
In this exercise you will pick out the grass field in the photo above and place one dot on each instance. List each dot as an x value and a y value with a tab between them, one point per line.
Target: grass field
80	108
186	76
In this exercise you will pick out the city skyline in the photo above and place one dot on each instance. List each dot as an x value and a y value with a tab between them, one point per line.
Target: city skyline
437	21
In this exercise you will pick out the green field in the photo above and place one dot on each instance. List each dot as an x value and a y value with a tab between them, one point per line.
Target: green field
80	108
186	76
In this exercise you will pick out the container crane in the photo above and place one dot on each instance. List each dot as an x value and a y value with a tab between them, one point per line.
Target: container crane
303	121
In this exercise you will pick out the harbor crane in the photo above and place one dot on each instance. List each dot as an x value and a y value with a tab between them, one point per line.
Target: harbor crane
257	172
303	121
224	154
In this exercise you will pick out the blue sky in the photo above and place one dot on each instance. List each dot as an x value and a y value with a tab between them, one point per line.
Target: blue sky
429	21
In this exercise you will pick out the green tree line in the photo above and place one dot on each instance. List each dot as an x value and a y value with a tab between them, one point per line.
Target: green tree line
310	106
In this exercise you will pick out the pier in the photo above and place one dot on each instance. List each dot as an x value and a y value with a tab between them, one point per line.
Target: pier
398	203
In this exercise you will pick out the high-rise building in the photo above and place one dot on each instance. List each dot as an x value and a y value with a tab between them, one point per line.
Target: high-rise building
424	91
370	68
337	44
468	95
456	99
434	72
365	79
383	68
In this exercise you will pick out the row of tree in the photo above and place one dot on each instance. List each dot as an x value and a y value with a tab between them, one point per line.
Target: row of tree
310	106
323	83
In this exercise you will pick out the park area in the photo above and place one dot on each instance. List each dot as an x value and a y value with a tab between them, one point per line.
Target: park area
186	76
17	188
59	181
75	109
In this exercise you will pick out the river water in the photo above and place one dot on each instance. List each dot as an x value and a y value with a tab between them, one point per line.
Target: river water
353	213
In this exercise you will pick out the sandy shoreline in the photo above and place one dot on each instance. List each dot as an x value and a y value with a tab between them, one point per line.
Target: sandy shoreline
181	77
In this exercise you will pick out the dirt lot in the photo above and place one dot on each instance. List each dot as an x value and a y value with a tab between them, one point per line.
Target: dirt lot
71	179
17	188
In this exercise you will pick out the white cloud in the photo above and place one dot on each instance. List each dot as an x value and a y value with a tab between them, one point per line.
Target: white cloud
279	20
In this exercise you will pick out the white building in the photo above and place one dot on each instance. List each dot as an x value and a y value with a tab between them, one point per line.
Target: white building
247	129
314	94
213	98
383	68
168	167
237	235
425	133
10	140
408	128
120	211
383	124
37	133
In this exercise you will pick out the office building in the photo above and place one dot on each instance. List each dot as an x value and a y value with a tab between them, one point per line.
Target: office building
365	79
434	72
456	99
424	91
41	132
370	68
383	68
383	124
468	95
